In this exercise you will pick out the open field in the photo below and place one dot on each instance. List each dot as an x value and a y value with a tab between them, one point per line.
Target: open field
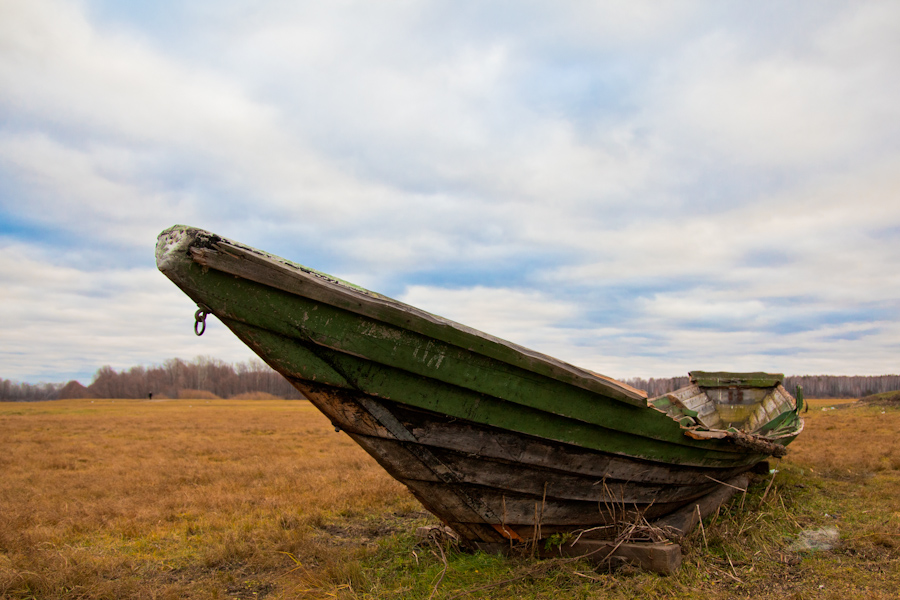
262	499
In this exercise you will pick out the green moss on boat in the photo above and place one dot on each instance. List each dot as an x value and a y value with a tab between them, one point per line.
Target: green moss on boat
481	430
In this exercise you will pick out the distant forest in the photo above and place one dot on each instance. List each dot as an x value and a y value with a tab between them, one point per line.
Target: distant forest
173	379
179	378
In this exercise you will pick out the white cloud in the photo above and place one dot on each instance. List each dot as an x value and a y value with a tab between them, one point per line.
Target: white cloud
703	305
818	239
60	71
624	166
652	342
521	316
827	95
89	191
61	321
57	65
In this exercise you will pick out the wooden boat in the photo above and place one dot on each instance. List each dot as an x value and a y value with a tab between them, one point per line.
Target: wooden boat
500	442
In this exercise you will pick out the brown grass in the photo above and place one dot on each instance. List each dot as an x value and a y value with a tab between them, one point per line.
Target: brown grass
255	396
125	498
849	442
262	499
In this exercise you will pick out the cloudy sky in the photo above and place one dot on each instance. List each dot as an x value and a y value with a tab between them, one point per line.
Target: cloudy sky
639	188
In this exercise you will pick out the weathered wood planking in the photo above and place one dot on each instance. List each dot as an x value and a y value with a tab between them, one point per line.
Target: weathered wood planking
751	417
526	479
440	432
612	427
497	440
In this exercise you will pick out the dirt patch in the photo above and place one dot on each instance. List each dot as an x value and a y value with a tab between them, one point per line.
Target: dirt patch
249	590
362	532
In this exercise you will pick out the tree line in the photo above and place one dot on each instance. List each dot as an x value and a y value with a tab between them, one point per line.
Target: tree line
814	386
167	380
28	392
227	380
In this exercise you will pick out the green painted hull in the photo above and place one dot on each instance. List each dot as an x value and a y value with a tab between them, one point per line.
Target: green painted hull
479	429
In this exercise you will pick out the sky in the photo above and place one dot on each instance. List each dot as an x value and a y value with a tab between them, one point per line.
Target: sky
638	188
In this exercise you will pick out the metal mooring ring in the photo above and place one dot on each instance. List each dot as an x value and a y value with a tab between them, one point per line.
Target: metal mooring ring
200	320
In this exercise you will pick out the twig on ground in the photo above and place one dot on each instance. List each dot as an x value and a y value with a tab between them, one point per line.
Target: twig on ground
734	487
443	558
702	529
793	520
731	564
587	576
771	481
584	531
726	573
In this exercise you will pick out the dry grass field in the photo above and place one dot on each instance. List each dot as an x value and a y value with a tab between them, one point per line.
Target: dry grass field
262	499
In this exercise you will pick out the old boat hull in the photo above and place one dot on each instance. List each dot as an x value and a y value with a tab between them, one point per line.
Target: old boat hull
498	441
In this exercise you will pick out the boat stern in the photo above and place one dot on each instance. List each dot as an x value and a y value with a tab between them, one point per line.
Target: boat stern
752	410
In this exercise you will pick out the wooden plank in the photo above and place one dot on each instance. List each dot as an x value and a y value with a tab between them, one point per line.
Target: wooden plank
769	408
705	410
524	510
696	402
526	479
712	421
694	398
686	392
785	397
658	557
343	411
497	444
726	379
440	432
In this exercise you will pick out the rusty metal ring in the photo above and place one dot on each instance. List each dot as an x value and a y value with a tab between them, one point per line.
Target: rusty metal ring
200	319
